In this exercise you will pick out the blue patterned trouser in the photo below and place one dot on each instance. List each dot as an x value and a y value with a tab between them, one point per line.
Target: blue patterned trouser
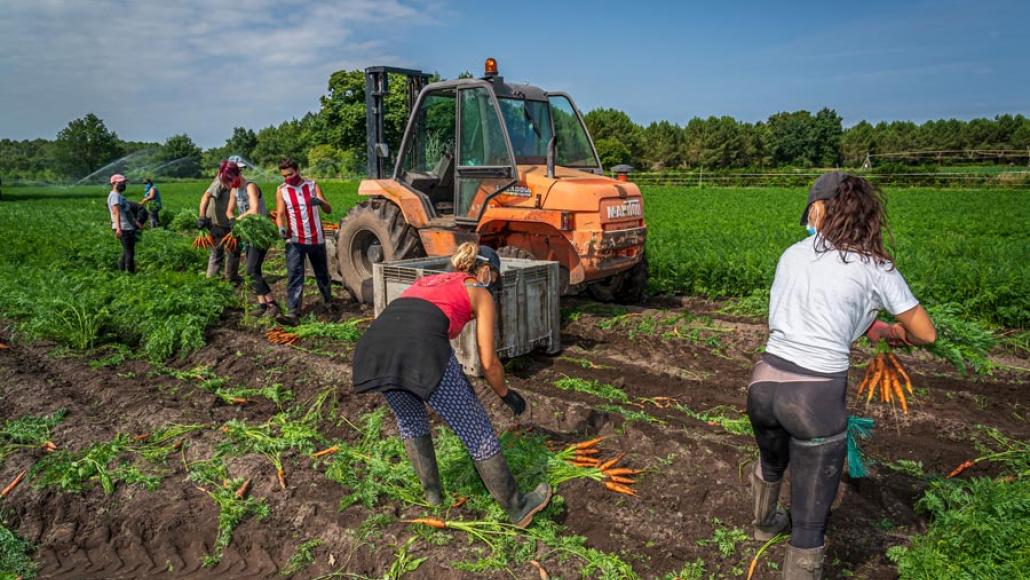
456	402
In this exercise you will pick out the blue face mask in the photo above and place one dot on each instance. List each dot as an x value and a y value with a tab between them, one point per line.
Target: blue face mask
811	230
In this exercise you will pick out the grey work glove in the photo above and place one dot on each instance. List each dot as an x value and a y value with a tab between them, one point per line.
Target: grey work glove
514	401
284	234
203	223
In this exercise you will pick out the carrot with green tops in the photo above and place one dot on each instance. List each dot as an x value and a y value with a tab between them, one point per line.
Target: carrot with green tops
621	471
619	488
324	452
242	490
281	476
611	462
622	480
962	467
14	483
588	444
431	522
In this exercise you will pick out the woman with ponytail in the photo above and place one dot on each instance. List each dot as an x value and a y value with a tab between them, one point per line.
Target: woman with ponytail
406	355
827	292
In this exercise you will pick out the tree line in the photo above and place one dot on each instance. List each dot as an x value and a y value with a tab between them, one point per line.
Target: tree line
331	142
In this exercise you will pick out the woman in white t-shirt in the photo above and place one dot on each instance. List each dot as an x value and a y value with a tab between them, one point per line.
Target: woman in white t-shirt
827	293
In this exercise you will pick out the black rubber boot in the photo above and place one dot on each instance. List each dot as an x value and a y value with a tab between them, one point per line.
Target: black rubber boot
290	319
769	518
423	459
803	564
520	507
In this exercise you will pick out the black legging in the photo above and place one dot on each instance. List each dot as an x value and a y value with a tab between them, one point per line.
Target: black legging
255	259
127	262
800	417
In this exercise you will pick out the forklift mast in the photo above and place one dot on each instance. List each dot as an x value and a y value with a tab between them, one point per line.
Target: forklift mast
376	89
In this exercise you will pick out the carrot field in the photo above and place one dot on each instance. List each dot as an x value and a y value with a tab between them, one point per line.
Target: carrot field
151	427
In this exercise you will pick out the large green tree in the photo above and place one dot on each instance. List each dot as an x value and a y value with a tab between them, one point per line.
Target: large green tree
614	125
179	157
84	146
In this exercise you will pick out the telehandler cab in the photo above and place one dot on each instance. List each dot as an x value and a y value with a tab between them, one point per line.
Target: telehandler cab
511	166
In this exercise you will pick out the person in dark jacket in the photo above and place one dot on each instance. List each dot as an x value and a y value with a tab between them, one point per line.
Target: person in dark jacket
407	356
827	292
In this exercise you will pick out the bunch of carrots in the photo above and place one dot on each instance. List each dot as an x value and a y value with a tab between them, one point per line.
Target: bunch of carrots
229	242
330	227
616	478
204	240
280	336
885	376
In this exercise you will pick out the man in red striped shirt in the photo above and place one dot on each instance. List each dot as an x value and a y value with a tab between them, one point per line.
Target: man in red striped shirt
297	205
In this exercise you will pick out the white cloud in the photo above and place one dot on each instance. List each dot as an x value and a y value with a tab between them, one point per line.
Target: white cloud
153	68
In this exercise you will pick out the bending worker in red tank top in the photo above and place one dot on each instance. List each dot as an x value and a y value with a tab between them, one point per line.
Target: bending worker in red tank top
448	293
407	356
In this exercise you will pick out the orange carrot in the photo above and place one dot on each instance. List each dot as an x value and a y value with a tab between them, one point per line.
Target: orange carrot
900	394
588	451
237	401
540	570
281	476
901	371
324	452
459	502
14	483
621	471
875	381
591	443
140	437
431	522
611	462
241	491
49	447
623	480
619	488
962	467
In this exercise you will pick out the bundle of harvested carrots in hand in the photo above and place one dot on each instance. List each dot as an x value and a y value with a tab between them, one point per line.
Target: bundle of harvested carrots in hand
229	242
280	336
204	240
616	479
886	376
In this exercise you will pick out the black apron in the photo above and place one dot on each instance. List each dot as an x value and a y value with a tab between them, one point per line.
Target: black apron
406	348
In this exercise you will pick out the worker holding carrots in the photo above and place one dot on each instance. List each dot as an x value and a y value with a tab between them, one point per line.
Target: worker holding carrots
245	199
123	222
298	206
152	201
826	294
406	355
213	205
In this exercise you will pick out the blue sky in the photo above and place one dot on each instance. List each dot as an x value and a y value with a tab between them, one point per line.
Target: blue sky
151	69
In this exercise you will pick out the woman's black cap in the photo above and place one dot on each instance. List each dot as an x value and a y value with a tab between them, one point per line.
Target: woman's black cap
824	188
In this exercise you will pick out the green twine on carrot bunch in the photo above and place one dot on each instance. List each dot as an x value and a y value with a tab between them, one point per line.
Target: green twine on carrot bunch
858	428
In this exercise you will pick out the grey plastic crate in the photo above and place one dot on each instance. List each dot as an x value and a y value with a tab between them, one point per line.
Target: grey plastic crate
529	304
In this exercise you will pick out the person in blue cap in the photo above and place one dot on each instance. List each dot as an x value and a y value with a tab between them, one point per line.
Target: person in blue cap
406	355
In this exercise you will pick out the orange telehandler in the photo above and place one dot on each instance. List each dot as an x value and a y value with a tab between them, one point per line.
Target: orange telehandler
511	166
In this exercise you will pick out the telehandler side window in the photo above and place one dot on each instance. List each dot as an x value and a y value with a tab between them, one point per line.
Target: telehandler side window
428	163
485	165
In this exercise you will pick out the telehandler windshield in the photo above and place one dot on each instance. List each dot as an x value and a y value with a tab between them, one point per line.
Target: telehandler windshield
532	123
